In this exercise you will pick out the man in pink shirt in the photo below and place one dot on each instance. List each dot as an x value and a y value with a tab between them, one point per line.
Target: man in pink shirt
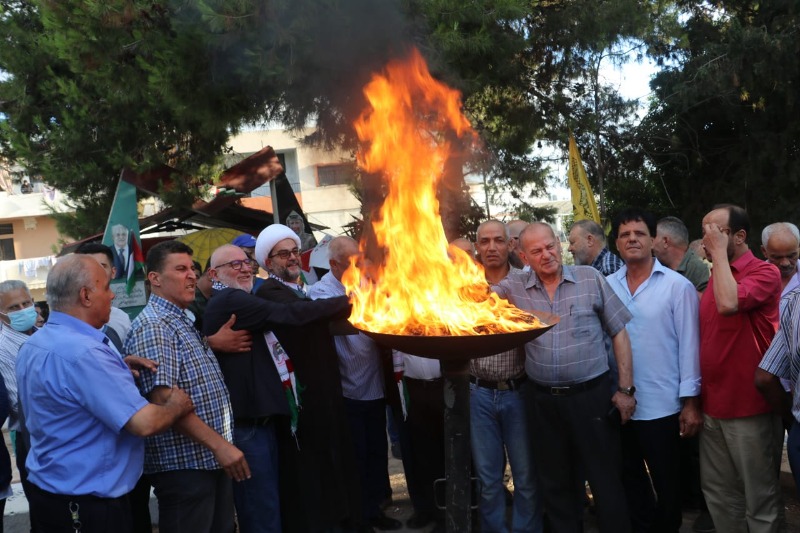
741	442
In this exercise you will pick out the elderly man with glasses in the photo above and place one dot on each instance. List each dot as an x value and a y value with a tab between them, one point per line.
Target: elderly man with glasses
259	379
321	488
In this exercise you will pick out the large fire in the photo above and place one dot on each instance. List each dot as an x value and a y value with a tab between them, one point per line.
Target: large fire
422	287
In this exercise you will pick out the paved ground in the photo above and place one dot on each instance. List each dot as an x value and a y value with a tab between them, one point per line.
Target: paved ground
16	518
401	507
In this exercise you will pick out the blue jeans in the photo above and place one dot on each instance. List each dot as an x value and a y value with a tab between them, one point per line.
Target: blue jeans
256	499
498	424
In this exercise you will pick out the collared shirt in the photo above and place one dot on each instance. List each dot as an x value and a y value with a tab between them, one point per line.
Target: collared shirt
732	346
359	356
162	332
665	339
120	322
502	366
695	270
794	282
782	358
10	342
573	351
607	263
78	395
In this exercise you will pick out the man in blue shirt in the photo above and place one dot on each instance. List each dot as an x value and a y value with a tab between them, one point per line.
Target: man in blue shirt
82	409
664	333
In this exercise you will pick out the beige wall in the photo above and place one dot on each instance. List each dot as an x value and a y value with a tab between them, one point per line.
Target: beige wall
330	206
37	242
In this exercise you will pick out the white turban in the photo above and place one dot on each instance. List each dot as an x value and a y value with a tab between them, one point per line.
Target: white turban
269	237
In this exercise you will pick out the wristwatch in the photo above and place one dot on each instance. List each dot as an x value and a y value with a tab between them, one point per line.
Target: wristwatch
627	390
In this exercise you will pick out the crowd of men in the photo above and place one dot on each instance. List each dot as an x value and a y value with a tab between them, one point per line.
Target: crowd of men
254	404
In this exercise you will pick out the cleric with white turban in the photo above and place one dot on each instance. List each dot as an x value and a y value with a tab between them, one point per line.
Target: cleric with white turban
269	237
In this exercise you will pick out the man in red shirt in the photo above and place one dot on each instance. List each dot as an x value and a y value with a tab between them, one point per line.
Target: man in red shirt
741	442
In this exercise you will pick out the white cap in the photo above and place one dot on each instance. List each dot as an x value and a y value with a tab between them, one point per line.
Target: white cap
269	237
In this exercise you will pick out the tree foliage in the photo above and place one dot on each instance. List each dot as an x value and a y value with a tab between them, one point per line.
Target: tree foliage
93	86
724	125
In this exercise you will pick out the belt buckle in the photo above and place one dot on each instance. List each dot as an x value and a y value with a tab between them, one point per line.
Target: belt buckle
504	385
559	391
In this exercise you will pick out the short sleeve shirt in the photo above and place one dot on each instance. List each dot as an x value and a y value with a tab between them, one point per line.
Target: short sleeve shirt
77	395
782	359
731	347
162	332
574	350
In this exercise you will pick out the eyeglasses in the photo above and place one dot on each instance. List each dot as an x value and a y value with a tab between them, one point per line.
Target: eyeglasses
284	254
239	263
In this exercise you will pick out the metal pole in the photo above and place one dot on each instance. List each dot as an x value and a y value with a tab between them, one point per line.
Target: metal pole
273	192
458	455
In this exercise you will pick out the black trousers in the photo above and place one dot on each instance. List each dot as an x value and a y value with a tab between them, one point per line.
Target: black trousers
655	443
425	424
575	439
367	420
194	501
53	513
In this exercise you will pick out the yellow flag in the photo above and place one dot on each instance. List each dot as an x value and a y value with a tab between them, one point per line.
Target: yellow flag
583	206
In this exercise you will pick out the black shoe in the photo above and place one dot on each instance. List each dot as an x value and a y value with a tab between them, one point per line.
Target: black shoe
703	523
396	450
385	523
418	521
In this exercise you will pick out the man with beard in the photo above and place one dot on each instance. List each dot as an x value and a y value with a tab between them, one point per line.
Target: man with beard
587	244
254	378
319	479
741	442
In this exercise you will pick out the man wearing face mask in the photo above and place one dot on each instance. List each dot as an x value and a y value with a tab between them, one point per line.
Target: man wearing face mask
17	322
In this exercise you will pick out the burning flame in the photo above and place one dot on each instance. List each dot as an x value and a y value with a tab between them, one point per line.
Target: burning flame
422	287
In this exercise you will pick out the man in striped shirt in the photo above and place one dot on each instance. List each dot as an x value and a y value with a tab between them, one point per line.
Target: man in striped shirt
497	411
782	360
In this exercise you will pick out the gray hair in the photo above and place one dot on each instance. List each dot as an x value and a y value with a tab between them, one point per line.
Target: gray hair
13	285
67	278
770	230
590	226
675	228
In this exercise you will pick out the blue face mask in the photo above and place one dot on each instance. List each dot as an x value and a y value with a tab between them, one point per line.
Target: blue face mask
22	320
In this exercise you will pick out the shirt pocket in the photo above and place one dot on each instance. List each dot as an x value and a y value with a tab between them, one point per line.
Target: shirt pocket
584	323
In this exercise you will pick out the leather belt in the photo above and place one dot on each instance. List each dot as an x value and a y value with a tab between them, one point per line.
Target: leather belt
506	384
567	390
248	422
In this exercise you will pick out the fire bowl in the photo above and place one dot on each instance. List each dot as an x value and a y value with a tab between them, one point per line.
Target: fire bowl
465	347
